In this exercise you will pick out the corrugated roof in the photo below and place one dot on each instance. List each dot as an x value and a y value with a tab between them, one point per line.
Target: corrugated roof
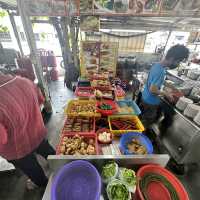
8	4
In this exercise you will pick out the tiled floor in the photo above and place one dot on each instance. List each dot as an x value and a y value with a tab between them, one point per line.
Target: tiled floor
12	185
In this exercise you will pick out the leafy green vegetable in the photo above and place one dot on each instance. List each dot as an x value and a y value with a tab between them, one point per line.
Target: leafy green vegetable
128	176
105	107
109	170
116	190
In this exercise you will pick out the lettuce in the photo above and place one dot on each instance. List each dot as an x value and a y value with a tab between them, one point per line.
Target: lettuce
117	190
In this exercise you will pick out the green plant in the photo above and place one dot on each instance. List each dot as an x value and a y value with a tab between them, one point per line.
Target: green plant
3	29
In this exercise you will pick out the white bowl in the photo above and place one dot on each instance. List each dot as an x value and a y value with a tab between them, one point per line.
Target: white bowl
183	103
191	110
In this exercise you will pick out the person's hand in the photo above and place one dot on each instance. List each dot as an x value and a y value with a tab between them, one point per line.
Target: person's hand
169	97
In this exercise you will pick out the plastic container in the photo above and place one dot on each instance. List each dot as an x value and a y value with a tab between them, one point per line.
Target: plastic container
106	112
104	96
69	121
88	92
72	103
126	138
139	126
119	92
86	136
157	190
77	180
101	131
131	104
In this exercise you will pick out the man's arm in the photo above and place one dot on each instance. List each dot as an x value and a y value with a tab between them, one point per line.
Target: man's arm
154	90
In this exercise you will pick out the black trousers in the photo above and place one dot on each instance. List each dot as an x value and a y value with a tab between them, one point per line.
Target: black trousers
149	114
30	166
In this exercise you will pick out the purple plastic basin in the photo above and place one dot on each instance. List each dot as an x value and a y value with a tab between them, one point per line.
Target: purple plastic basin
78	180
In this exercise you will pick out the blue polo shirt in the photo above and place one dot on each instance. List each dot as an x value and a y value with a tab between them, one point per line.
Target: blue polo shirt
156	77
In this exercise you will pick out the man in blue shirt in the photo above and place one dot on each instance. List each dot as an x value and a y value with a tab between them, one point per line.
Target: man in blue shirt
152	90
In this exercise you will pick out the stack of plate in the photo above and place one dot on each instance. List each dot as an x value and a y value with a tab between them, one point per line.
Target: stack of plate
192	110
193	74
197	118
183	103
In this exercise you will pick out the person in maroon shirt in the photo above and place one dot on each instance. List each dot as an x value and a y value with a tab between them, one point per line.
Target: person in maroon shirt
22	130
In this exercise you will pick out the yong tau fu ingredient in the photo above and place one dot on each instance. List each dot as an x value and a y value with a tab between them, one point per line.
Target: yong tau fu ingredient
109	171
117	190
123	124
105	106
125	109
128	177
107	94
82	108
77	145
78	124
134	146
104	137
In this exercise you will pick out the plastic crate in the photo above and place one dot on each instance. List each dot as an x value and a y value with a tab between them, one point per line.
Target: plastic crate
88	92
131	104
69	108
107	112
73	120
86	136
139	126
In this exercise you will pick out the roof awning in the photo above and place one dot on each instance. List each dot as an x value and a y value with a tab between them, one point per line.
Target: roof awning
8	4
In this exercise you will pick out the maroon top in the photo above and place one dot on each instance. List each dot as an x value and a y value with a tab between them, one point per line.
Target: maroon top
21	125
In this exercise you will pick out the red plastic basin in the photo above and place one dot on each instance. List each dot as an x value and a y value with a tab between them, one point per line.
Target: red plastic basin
156	190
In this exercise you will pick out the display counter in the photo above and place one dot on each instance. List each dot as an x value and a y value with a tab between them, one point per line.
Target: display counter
56	162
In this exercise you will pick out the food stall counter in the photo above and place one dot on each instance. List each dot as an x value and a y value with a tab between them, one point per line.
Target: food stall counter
56	162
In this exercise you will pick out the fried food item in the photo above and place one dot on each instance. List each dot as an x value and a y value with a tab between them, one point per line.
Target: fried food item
79	124
77	145
136	147
83	108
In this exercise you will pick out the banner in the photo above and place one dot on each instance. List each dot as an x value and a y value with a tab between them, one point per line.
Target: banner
52	7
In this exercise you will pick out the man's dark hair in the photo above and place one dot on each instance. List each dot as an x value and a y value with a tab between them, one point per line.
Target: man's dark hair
178	53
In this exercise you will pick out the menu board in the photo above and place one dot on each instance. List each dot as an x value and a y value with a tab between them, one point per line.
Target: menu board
108	57
52	7
112	7
140	7
98	58
130	7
